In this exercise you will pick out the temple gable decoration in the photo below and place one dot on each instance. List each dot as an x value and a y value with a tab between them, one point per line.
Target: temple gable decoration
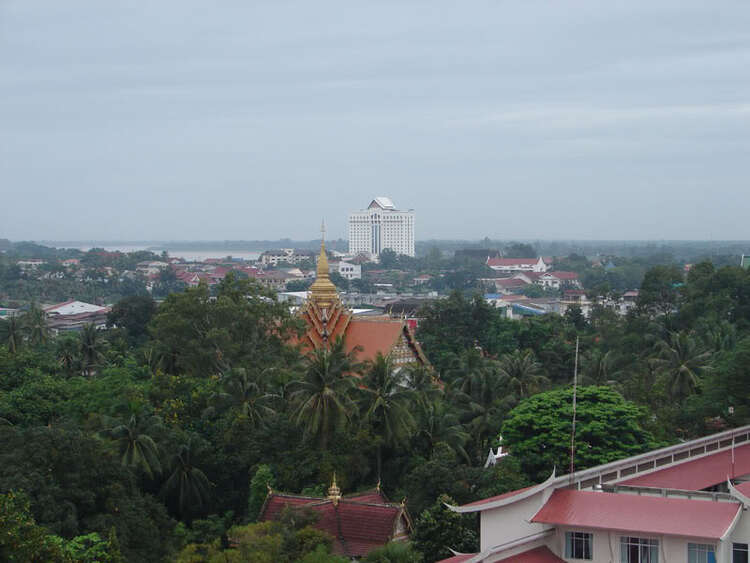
327	319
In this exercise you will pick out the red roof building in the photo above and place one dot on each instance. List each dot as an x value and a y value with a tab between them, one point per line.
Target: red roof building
638	514
687	502
327	320
358	523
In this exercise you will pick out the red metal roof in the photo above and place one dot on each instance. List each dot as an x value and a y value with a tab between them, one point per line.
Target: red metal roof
536	555
510	282
561	275
458	558
636	513
699	473
744	488
498	497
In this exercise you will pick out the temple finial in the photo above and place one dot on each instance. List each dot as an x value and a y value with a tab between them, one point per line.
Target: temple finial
334	493
323	230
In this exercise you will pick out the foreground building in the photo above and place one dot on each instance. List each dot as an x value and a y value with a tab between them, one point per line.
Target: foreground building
684	503
381	226
358	523
327	319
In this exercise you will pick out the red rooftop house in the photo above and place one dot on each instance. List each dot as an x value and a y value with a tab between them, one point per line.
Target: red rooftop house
684	503
358	523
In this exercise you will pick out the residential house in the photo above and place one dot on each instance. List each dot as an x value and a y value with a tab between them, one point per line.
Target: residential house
576	298
347	270
422	279
520	264
559	279
149	268
288	255
30	264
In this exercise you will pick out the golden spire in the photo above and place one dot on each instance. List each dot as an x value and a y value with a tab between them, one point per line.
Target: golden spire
322	292
334	493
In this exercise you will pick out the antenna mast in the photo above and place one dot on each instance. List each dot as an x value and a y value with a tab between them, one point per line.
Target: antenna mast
573	432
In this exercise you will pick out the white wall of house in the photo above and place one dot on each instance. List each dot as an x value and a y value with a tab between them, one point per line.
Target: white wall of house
510	522
347	270
607	546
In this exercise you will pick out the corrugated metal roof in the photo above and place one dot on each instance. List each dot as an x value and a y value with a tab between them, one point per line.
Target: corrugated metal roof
536	555
700	473
744	488
458	558
498	497
640	514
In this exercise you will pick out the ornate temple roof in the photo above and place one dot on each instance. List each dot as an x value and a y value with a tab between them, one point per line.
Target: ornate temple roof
328	319
358	523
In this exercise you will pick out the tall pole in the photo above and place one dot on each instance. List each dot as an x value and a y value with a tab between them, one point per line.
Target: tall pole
573	432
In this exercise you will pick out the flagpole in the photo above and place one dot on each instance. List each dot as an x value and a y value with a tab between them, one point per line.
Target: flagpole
573	432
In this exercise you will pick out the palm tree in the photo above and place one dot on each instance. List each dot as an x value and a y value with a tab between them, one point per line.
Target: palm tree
323	397
522	372
385	403
137	448
12	334
718	336
91	348
481	396
36	325
479	376
438	424
67	353
421	380
599	368
187	486
681	361
246	394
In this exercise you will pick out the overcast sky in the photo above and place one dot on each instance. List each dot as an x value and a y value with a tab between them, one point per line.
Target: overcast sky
248	120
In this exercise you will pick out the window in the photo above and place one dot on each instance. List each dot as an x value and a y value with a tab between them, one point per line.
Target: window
638	550
739	553
578	545
701	553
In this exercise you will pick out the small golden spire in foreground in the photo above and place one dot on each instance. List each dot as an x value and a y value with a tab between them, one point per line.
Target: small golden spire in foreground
334	493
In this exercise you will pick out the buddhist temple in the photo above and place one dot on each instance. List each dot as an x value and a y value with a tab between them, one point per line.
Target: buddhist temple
327	319
358	523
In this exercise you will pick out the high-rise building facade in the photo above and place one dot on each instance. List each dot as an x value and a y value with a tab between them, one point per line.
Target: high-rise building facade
381	226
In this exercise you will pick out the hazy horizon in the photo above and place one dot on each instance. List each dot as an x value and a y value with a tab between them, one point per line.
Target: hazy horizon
187	121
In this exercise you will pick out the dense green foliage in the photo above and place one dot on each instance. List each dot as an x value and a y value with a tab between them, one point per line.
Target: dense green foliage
157	437
607	429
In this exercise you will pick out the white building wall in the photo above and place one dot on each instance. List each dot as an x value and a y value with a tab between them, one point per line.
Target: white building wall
375	229
349	271
510	522
606	546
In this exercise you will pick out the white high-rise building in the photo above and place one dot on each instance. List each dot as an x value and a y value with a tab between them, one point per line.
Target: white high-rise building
381	226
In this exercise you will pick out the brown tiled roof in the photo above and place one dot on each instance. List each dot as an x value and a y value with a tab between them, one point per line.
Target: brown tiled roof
373	336
357	526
